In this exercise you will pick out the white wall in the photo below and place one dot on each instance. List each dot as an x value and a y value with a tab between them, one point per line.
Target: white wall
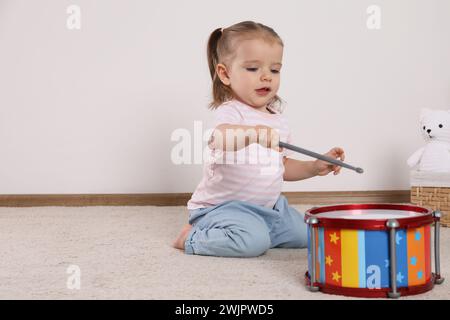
93	110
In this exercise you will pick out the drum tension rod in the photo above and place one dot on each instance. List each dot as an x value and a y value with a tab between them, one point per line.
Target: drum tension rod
392	224
312	233
437	262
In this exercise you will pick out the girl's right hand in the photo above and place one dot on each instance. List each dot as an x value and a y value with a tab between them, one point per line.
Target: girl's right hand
268	137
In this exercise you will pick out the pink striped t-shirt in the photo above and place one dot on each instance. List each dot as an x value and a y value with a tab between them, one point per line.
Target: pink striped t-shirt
254	173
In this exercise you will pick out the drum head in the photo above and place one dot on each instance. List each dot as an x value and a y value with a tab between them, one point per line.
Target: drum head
368	214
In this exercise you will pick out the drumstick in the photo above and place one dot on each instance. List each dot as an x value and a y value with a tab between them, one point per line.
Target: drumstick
319	156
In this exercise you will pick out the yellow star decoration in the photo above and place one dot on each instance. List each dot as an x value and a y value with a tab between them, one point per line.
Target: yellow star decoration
336	276
328	260
334	238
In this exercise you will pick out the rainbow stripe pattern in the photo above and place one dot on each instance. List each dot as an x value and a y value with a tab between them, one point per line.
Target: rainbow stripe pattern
360	258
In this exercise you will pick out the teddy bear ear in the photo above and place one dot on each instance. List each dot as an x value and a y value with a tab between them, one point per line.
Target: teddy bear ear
424	112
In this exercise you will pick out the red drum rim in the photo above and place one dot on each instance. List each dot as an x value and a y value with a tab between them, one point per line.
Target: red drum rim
370	224
372	293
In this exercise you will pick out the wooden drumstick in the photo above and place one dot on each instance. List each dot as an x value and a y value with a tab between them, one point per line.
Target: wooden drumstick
319	156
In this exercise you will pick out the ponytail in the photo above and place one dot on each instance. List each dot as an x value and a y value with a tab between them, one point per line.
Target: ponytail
213	58
221	92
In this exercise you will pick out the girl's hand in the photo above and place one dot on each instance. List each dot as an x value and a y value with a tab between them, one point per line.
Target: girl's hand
323	168
268	137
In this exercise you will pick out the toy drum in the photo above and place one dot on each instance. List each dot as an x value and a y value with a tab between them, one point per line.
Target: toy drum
372	250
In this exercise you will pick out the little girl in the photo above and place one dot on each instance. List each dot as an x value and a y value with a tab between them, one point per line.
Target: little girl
237	209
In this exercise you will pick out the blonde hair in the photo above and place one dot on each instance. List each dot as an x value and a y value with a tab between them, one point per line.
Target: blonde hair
221	46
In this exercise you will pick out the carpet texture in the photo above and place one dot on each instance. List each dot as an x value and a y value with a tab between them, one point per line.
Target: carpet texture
126	253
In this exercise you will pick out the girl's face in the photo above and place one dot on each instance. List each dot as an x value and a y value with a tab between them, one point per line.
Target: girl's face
254	73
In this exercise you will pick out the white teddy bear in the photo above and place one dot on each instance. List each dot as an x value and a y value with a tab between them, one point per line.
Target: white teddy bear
435	156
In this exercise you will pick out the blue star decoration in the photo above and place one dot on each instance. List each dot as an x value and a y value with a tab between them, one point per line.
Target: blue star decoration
398	238
386	263
400	277
413	261
419	274
417	235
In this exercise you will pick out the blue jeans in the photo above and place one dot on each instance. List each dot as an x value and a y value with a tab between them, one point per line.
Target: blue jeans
241	229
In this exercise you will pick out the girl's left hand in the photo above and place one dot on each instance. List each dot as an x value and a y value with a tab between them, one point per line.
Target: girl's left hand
323	168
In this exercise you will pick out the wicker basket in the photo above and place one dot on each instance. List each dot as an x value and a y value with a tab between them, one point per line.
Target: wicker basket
432	190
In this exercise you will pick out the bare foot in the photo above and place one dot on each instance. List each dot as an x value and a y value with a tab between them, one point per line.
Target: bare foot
179	242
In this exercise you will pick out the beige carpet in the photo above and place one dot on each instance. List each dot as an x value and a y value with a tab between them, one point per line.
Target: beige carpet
125	253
